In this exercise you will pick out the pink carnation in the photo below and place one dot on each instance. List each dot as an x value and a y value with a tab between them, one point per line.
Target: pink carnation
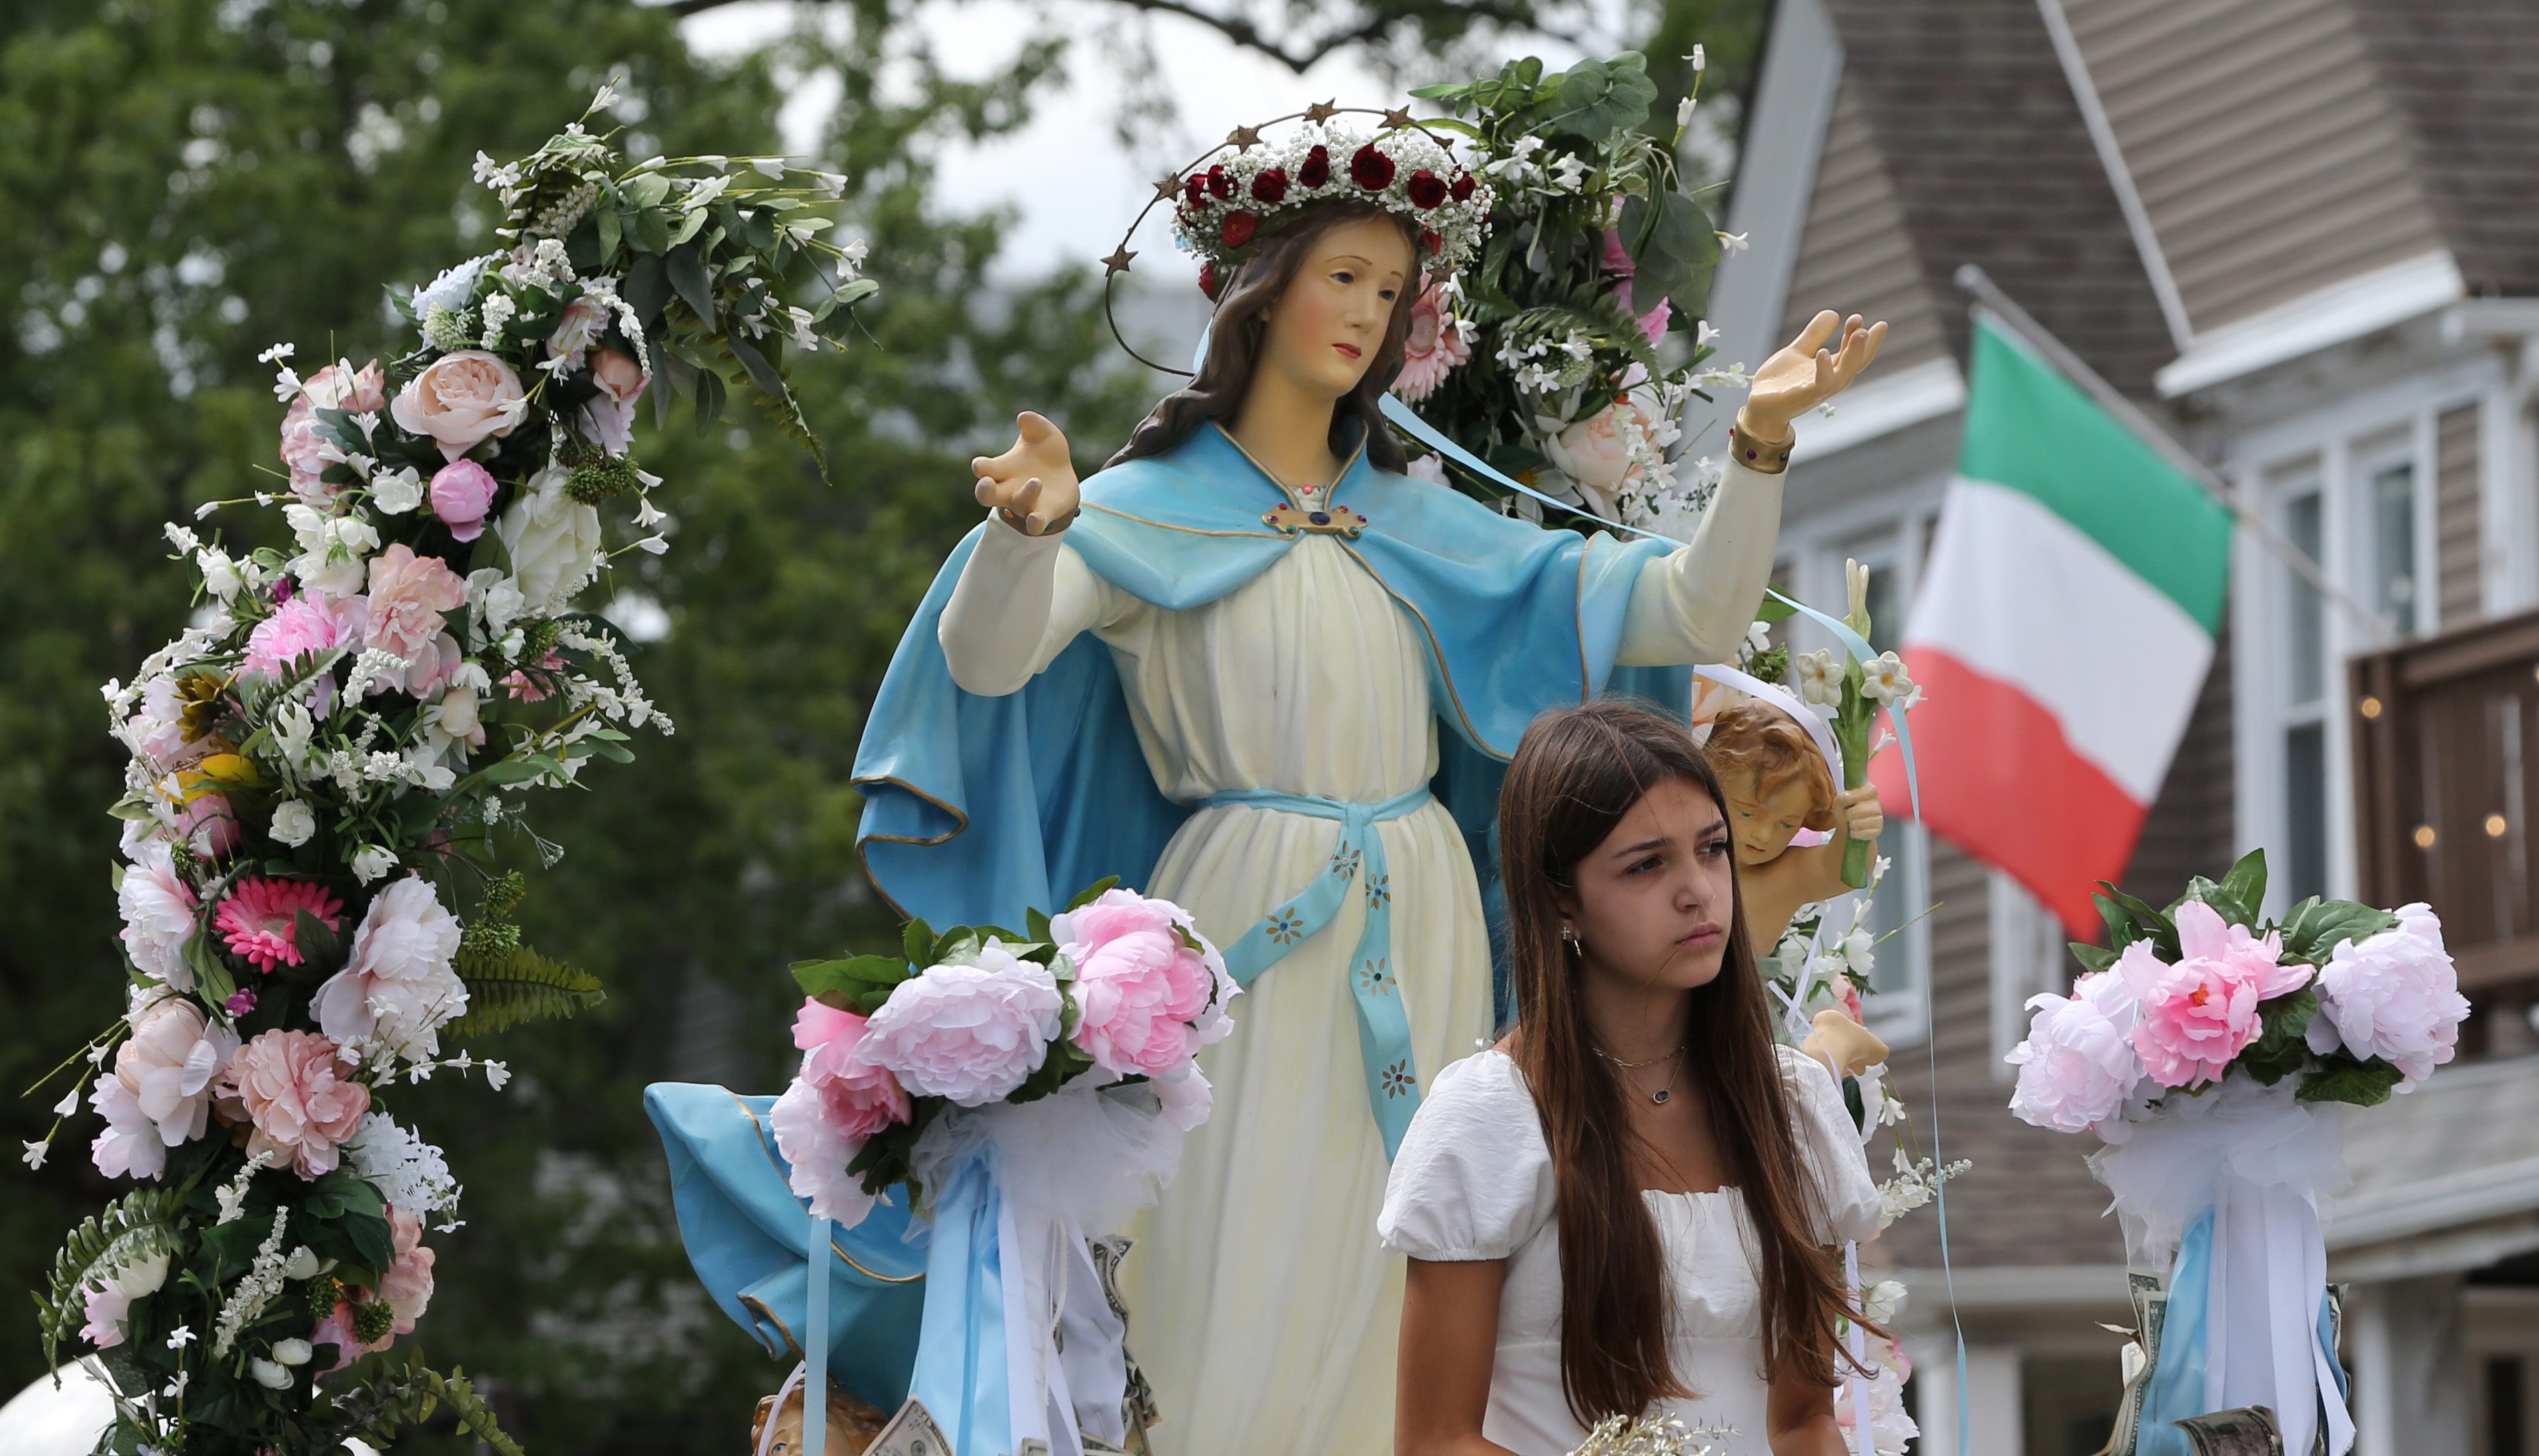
2078	1063
967	1033
462	493
408	594
2201	1012
260	919
1140	985
307	622
2395	996
290	1086
1432	351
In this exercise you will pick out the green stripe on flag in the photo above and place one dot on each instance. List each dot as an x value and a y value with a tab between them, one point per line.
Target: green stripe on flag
2031	429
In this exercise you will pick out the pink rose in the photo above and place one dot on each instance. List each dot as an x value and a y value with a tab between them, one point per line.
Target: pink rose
1432	351
408	594
459	401
863	1098
608	420
160	1094
2078	1063
2395	996
2201	1012
462	492
967	1033
290	1086
407	1284
307	622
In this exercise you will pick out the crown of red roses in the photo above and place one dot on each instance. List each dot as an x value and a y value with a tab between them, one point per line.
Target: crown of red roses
1246	186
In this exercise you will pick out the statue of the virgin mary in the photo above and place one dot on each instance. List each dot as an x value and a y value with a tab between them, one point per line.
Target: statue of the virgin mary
1253	666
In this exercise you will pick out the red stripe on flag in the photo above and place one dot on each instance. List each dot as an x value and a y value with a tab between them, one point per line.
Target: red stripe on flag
2002	783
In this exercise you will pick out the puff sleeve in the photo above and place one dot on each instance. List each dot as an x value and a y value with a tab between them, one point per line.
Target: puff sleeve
1831	1148
1473	1177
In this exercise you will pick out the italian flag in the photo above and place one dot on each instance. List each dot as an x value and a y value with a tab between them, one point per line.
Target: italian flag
2062	632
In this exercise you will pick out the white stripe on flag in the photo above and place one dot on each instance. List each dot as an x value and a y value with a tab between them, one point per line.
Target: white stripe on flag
2020	594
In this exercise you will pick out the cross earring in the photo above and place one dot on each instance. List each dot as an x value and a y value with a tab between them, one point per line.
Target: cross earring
1569	938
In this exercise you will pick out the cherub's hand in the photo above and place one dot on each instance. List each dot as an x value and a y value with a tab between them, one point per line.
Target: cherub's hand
1862	817
1842	1044
1805	374
1035	481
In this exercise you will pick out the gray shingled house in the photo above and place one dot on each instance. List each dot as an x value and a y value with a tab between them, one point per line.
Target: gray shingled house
2304	234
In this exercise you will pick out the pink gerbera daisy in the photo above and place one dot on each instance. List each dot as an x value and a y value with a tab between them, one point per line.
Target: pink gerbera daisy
260	919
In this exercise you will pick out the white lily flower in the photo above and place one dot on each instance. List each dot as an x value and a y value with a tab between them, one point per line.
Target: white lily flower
1883	677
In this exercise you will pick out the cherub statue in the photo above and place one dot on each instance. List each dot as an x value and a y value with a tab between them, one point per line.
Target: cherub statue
1790	822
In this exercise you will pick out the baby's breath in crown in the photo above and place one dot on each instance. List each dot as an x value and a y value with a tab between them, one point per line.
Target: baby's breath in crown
1224	206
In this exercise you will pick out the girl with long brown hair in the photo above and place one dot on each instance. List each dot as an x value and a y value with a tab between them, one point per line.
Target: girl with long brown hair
1627	1207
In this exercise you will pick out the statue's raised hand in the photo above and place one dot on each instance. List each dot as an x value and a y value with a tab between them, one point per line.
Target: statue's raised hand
1806	374
1031	486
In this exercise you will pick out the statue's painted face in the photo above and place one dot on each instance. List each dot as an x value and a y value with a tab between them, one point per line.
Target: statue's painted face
1323	331
1764	822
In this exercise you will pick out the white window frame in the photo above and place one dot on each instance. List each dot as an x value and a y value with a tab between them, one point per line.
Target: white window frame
2343	439
1896	525
2028	944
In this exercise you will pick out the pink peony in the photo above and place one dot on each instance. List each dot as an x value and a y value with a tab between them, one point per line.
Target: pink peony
160	1094
818	1148
408	594
2395	996
157	908
462	492
260	919
866	1098
307	622
407	1284
608	420
2198	1014
290	1086
399	987
2078	1063
1432	351
967	1033
1140	984
460	400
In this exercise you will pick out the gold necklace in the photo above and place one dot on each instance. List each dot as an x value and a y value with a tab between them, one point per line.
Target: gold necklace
1661	1096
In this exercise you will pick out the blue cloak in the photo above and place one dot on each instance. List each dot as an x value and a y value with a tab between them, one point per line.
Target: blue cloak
978	807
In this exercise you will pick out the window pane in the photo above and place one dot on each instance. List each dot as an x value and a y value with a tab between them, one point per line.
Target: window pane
2306	635
2305	810
1895	970
2393	545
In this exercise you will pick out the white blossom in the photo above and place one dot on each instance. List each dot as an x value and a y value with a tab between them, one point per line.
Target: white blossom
371	861
293	822
398	491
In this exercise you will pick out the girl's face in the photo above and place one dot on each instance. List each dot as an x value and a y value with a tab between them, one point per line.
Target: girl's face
1323	331
1765	822
1653	904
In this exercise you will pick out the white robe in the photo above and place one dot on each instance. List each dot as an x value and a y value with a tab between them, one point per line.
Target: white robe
1262	1308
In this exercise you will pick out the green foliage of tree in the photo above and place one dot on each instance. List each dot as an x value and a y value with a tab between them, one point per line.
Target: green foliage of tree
184	181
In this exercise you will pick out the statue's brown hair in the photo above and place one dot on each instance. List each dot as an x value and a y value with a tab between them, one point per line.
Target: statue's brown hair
1577	772
1234	345
1755	737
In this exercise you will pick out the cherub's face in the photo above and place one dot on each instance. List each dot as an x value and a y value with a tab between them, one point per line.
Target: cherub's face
1764	824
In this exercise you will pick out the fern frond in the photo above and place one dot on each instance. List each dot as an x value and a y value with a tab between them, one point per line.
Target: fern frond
506	987
133	1228
472	1412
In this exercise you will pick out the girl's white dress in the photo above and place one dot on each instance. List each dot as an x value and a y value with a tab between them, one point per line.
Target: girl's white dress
1474	1181
1260	1304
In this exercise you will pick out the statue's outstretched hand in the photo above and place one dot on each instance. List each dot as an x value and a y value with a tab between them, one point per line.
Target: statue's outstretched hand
1806	374
1034	482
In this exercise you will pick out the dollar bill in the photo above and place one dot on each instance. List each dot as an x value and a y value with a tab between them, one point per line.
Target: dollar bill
1032	1447
2248	1430
910	1433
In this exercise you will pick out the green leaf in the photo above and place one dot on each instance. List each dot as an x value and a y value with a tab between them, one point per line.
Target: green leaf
611	224
761	372
2224	903
1036	924
648	288
914	940
2342	1079
2317	927
958	945
852	978
1774	609
213	982
2122	928
2246	881
2281	1046
1598	98
455	1392
1093	892
710	401
508	987
687	273
2093	958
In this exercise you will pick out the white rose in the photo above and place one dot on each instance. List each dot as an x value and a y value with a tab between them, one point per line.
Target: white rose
458	716
220	573
295	1352
553	539
368	864
268	1374
398	491
293	823
460	400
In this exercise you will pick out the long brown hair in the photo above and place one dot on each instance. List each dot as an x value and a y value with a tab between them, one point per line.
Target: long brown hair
1234	345
1576	774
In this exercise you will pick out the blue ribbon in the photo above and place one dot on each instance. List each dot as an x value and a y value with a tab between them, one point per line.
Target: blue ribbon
1383	1026
1405	419
961	1346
